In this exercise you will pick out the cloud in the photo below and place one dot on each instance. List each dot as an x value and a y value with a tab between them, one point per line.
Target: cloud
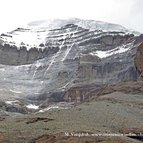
135	19
137	7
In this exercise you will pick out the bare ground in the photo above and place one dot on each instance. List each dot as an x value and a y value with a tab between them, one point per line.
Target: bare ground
115	113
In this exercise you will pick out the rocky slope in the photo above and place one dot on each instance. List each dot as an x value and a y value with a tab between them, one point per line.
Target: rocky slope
66	60
108	116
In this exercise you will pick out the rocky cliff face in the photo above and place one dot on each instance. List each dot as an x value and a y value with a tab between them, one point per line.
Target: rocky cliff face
75	58
139	59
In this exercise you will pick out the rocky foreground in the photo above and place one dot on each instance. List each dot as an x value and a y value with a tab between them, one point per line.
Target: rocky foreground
114	113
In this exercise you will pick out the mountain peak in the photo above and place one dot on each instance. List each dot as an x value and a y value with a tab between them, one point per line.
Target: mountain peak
34	33
87	24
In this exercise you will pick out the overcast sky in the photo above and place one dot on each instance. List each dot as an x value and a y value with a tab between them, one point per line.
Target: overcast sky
14	13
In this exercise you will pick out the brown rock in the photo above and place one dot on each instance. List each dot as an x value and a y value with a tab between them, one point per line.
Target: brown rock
139	59
81	93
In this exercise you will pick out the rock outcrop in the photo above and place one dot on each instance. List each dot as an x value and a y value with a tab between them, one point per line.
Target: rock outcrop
11	55
139	59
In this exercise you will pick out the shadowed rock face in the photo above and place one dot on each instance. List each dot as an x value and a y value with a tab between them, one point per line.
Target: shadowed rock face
72	56
139	59
11	55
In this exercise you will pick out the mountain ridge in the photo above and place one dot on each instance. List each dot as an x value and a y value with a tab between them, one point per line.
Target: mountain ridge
36	31
66	59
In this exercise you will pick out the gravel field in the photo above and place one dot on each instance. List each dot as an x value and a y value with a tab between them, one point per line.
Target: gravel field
115	113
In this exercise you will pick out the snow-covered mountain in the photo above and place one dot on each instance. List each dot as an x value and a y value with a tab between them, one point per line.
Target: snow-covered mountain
35	33
65	60
87	24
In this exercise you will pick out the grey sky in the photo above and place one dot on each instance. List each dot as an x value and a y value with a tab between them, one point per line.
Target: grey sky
136	16
14	13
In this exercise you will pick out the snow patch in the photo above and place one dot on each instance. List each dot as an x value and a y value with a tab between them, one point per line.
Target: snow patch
52	107
49	108
36	32
22	66
2	69
60	105
28	39
14	91
104	54
12	102
32	106
67	52
37	65
41	82
87	24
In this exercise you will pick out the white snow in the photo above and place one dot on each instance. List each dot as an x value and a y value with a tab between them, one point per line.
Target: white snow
32	106
14	91
34	74
49	108
36	32
11	102
67	52
104	54
22	66
2	69
87	24
41	82
60	105
29	39
52	107
37	65
62	43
